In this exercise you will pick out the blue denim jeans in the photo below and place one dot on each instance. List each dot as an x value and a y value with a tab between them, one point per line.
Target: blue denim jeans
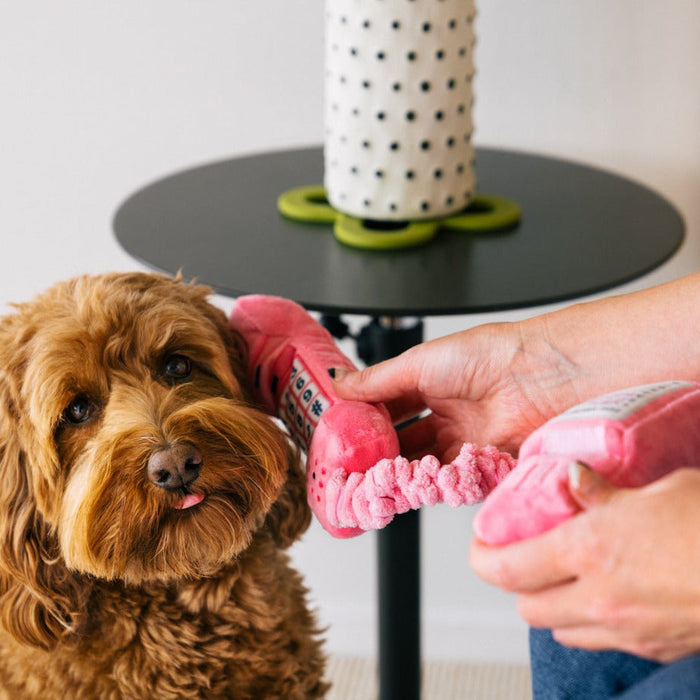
561	673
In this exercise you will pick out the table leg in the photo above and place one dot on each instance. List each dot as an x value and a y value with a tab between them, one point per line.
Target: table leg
399	608
398	546
399	543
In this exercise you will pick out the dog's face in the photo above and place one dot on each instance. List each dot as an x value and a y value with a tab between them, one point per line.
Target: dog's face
128	446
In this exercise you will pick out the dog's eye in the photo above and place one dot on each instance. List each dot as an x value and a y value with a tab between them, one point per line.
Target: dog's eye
78	410
177	367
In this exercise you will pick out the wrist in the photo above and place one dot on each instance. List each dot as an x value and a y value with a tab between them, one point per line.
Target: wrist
628	340
548	372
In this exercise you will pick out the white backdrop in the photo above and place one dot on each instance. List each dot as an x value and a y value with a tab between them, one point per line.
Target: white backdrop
98	98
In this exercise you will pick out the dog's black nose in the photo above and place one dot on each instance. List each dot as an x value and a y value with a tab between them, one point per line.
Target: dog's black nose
175	466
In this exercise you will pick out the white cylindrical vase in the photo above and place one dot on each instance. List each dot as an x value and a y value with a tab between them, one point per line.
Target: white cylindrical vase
398	107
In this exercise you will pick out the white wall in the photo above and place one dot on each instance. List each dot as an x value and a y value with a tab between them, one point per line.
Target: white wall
97	98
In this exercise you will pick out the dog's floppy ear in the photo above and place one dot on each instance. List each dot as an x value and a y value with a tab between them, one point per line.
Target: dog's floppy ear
38	595
290	514
238	356
236	348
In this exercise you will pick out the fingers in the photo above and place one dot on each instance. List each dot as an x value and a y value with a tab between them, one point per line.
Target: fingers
551	609
550	559
591	637
587	486
381	382
526	566
593	634
418	438
565	606
392	382
404	408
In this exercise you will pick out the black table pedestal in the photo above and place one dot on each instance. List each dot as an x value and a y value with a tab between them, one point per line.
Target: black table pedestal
399	608
398	549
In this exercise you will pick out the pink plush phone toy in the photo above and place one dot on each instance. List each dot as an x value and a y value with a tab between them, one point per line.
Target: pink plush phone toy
356	480
631	437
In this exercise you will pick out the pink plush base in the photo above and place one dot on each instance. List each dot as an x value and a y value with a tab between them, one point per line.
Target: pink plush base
533	500
630	440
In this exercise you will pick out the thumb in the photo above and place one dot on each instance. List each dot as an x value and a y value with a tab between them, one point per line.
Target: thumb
587	487
351	384
375	383
385	382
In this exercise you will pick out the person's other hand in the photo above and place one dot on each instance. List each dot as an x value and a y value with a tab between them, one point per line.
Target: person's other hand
624	574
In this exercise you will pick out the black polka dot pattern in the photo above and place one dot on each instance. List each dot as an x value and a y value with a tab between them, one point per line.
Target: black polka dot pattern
398	96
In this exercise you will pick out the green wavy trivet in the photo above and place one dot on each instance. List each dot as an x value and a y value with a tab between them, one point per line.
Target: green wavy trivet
309	204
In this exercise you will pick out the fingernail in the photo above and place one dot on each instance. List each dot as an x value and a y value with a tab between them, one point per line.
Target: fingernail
575	473
337	373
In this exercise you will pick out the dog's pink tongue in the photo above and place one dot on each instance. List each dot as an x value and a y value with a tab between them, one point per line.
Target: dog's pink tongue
191	499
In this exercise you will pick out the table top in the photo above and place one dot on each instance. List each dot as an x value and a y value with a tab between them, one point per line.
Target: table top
583	230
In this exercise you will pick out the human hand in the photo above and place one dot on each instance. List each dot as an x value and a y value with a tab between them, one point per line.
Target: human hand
493	384
624	574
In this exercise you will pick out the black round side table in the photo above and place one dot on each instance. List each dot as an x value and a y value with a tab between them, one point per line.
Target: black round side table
583	230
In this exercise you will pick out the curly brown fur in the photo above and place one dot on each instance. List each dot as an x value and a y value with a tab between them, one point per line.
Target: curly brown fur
120	578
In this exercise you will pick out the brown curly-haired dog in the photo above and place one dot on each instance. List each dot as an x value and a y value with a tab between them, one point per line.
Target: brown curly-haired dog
145	504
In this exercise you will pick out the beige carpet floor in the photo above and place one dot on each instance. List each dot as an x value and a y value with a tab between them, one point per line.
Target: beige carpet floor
356	679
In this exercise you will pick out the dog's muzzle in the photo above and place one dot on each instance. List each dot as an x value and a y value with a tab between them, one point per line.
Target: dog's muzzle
176	466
